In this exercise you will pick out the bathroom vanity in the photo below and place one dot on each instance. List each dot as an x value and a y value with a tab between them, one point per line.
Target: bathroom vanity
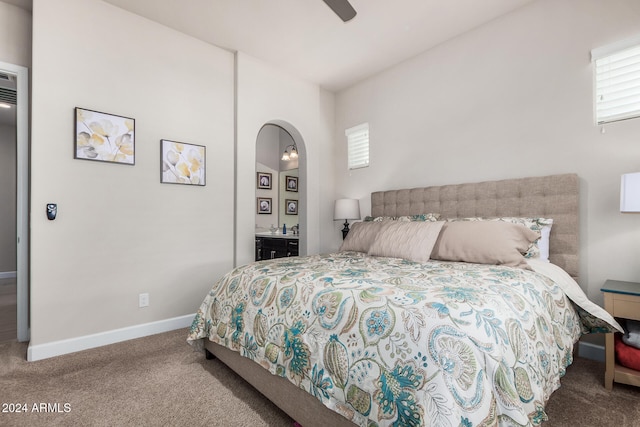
271	245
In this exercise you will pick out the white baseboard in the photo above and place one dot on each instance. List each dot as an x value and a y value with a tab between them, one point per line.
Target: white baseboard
57	348
8	274
591	351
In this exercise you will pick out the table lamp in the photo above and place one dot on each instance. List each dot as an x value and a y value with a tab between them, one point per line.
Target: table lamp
346	209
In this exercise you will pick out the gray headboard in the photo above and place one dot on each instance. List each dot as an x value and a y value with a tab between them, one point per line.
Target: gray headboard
553	196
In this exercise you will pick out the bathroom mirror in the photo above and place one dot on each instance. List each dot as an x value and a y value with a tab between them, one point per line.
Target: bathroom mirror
288	198
277	180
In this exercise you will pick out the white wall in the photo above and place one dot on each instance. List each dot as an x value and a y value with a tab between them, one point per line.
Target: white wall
15	35
119	231
509	99
7	198
266	95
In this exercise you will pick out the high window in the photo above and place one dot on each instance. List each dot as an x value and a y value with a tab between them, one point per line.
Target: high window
358	146
617	81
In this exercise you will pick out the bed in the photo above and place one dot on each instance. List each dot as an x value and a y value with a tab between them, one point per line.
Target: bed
379	334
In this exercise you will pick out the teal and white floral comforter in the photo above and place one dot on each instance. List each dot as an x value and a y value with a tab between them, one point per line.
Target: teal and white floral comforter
384	341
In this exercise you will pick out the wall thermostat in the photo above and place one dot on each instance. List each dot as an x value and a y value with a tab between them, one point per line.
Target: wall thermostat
52	211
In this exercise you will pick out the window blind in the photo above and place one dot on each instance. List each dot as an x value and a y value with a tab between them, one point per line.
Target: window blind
358	146
617	81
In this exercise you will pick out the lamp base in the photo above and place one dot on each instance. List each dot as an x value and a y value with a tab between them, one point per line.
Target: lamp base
345	230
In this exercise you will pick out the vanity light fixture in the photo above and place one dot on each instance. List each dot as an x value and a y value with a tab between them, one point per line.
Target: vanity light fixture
291	152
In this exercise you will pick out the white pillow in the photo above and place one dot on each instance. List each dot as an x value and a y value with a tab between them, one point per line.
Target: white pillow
543	243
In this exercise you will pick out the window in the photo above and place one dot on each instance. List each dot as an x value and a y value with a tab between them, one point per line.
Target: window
617	81
358	146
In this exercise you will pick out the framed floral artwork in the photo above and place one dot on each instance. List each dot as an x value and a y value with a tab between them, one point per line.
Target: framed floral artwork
182	163
104	137
264	180
292	183
291	207
264	205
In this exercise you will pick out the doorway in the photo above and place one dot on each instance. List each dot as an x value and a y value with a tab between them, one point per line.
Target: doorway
15	90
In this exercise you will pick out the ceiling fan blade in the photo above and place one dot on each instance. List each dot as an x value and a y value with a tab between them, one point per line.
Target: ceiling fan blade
342	8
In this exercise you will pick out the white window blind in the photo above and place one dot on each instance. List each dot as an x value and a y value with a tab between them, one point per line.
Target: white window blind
617	81
358	146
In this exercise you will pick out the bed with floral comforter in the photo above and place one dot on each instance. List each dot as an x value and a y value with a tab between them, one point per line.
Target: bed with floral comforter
384	341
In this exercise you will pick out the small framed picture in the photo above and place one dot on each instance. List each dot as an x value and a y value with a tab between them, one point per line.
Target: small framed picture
264	205
182	163
104	137
292	207
292	183
264	180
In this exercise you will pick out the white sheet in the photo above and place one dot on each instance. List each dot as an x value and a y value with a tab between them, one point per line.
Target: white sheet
572	289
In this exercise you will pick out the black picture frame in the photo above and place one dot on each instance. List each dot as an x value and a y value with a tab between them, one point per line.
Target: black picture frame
183	163
104	137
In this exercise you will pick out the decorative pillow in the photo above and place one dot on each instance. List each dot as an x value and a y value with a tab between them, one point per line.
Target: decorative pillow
484	242
626	355
378	218
432	217
406	218
362	235
537	249
412	241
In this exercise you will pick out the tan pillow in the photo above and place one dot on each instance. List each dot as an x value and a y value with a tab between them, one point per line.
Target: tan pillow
484	242
362	235
413	241
537	249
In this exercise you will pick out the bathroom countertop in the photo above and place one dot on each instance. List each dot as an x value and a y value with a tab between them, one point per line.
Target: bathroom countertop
278	235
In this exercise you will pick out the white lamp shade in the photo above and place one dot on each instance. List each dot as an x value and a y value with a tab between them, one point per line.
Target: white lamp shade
346	209
630	192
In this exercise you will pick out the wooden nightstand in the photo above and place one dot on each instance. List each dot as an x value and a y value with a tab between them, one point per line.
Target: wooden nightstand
622	300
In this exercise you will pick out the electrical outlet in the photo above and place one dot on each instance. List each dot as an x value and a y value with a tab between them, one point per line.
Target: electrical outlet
143	300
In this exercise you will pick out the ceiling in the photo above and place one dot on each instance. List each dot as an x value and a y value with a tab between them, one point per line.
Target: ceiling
306	39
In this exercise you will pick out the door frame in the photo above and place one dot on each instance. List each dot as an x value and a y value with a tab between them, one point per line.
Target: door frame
22	195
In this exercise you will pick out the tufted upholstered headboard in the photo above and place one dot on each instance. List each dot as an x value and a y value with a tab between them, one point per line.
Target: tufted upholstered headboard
553	196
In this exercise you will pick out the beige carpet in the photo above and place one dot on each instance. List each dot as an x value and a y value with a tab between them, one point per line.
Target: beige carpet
8	310
152	381
161	381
